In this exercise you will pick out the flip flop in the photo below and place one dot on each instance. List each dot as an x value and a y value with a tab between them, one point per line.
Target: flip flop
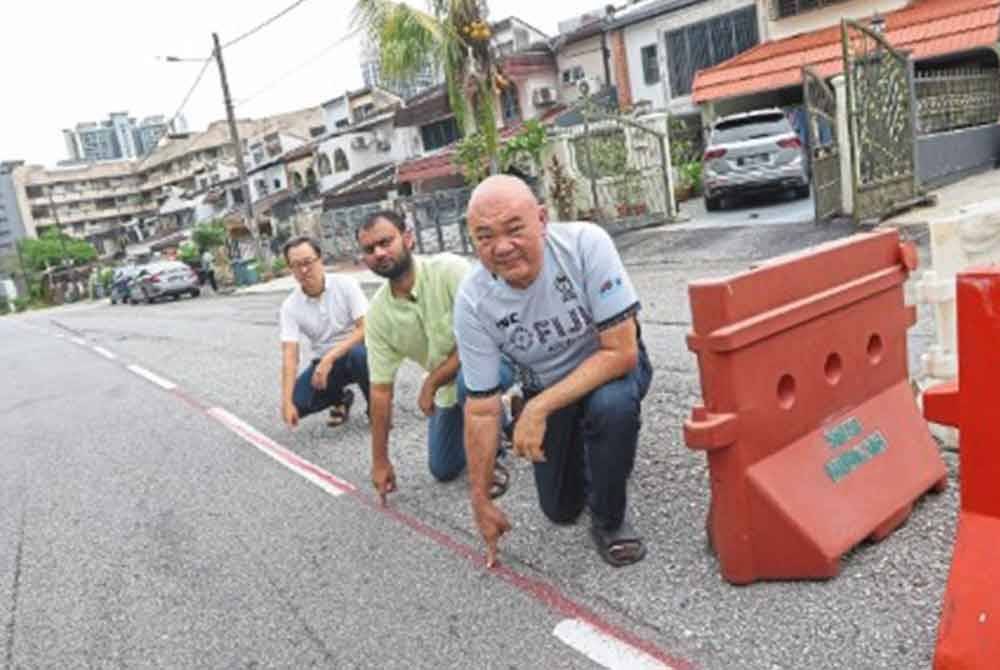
619	547
340	413
501	478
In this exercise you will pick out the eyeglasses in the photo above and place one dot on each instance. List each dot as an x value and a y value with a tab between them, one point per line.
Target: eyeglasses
300	266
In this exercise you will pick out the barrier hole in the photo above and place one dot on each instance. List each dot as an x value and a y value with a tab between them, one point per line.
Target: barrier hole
875	349
786	392
834	369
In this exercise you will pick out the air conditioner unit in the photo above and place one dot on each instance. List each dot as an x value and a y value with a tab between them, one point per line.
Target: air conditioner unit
383	145
544	96
589	86
359	142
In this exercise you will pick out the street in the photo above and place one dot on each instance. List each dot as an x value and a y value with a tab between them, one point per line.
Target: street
147	521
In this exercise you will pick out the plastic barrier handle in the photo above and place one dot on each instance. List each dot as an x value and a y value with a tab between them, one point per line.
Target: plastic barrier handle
941	404
707	432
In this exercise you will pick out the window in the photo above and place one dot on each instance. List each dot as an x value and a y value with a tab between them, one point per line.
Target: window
703	45
439	134
311	175
324	165
261	187
340	163
297	181
277	184
572	75
781	9
650	66
510	106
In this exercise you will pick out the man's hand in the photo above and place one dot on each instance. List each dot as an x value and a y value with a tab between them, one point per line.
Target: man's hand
290	414
426	398
529	433
321	373
492	524
384	479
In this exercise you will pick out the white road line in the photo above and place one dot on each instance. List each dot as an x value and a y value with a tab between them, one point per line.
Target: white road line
156	379
104	352
78	340
313	473
604	649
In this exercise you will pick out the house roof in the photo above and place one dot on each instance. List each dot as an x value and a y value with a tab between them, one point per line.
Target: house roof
425	107
927	28
442	164
650	10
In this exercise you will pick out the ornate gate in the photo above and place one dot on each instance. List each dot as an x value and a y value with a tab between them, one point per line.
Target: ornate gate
821	107
880	100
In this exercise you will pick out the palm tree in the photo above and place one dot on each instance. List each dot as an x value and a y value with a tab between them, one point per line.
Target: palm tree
452	34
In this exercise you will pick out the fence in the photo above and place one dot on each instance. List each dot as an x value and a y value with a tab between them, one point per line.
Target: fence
957	98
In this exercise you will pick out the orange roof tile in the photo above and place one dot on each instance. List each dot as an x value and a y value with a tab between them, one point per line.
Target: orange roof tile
927	28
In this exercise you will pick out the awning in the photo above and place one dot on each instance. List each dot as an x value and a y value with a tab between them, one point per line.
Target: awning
927	29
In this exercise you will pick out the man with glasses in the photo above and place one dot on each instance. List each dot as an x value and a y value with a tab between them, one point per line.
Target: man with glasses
411	318
328	311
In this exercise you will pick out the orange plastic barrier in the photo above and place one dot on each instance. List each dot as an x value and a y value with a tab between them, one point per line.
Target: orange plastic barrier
813	436
969	635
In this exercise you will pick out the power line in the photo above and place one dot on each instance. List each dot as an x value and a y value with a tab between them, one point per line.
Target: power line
197	80
263	25
281	78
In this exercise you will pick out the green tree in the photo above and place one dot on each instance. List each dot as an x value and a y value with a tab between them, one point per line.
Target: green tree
451	34
55	249
209	236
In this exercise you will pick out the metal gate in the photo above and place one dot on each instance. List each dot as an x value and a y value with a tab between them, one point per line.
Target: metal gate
821	109
882	115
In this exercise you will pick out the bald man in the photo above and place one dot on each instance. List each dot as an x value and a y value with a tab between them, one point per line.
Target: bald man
557	301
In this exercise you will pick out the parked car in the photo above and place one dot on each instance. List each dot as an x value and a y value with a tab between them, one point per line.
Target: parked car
163	279
753	152
120	281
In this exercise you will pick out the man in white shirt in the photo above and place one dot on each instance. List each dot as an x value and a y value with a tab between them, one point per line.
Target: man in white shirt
329	312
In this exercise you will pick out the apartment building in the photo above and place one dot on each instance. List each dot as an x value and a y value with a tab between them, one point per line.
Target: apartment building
11	225
114	203
119	137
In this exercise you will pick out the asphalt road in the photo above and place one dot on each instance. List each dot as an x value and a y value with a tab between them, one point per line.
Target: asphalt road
137	529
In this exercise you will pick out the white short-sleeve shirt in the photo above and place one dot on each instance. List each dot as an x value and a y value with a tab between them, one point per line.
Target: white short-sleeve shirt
326	320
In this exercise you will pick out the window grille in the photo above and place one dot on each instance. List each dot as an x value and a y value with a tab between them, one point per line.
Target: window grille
706	44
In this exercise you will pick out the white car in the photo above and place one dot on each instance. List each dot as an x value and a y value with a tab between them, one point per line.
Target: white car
163	279
750	153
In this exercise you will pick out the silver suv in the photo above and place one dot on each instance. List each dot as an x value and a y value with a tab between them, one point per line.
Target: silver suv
750	153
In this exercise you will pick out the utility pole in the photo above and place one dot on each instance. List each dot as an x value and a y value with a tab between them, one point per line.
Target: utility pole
234	136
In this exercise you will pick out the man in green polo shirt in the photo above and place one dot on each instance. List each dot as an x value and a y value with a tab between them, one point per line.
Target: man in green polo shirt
411	317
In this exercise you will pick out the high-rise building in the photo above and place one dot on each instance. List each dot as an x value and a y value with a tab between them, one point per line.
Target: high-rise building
371	72
117	138
11	225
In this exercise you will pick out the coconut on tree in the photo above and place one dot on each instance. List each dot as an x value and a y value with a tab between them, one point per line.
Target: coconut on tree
451	34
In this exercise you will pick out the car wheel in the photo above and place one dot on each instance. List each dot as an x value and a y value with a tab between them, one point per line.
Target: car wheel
713	204
175	296
802	192
195	293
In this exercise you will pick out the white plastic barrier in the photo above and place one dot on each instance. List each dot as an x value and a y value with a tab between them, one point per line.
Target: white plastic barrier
971	238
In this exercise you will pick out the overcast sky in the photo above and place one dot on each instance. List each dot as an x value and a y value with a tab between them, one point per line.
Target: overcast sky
66	61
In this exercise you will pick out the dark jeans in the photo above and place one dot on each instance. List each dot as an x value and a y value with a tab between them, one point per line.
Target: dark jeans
590	449
446	430
209	276
351	368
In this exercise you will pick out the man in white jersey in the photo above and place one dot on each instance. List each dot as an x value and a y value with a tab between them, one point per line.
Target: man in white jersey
327	311
557	301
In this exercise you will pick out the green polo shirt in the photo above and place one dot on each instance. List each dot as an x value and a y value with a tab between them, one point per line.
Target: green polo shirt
419	327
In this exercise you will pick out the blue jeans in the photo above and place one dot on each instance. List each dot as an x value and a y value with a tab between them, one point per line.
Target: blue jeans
590	450
351	368
446	430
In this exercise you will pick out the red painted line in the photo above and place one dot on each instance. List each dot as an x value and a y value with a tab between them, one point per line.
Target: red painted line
547	594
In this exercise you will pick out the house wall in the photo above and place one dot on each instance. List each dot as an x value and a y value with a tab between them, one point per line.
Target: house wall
947	157
361	159
653	31
525	91
275	178
589	55
821	18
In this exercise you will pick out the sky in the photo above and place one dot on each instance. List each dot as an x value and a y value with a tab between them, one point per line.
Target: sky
68	61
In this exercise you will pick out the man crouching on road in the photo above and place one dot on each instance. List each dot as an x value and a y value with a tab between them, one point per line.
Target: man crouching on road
557	301
411	317
329	312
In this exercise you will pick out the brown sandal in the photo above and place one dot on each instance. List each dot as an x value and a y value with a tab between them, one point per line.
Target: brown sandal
339	414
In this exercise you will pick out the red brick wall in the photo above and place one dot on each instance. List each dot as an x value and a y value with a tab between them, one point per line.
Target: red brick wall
619	68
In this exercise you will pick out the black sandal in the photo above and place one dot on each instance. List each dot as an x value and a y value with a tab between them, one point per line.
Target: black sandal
619	547
339	414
